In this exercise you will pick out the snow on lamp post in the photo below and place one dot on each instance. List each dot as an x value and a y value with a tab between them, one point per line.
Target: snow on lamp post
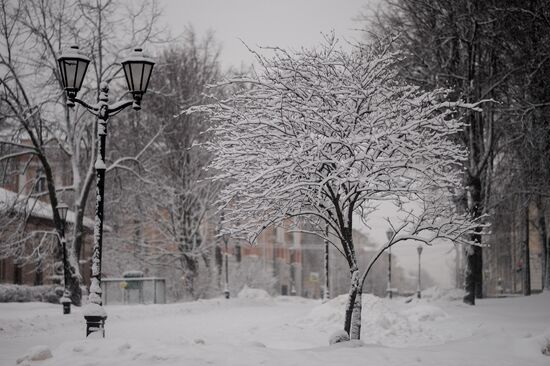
389	235
62	210
419	288
137	70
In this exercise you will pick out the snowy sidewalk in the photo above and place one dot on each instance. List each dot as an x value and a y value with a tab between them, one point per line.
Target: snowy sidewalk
285	331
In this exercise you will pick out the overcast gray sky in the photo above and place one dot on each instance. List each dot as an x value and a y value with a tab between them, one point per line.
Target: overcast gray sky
295	23
284	23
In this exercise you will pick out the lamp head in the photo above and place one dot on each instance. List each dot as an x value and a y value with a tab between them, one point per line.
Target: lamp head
62	210
137	70
72	68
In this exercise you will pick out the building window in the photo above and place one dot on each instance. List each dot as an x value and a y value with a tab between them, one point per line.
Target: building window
280	234
3	272
40	185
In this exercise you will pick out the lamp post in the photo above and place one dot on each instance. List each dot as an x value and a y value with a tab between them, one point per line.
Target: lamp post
226	293
137	71
326	294
62	210
419	288
389	235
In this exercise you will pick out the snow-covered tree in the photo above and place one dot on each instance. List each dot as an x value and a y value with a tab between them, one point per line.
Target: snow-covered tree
322	135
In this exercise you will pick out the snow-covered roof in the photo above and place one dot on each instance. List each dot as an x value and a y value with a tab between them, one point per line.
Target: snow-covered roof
36	208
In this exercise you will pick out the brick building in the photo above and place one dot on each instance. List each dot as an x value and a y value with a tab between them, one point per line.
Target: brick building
23	196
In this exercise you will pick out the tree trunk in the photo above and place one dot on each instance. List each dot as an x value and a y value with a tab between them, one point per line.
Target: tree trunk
356	316
547	265
478	258
353	292
73	285
526	256
469	282
544	242
218	258
473	280
189	275
74	253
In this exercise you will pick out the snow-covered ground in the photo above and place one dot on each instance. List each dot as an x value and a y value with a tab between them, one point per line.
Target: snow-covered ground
258	330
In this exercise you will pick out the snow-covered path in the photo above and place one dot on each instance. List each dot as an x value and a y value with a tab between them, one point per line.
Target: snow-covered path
286	331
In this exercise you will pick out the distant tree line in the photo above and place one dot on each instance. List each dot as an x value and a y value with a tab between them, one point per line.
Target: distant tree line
498	50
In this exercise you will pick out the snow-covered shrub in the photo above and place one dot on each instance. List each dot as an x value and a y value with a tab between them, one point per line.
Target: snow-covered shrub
23	293
338	337
546	347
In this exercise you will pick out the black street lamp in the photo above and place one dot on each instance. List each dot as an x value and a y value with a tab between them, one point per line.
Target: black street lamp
226	292
389	235
62	210
419	287
137	70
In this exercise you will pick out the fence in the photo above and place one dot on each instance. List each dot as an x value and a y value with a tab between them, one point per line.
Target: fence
141	290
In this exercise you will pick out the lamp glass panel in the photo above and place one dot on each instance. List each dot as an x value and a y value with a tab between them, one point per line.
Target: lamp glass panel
127	74
147	68
61	64
137	73
70	72
80	73
64	213
62	210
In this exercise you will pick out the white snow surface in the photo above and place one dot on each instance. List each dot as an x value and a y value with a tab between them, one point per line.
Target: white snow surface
254	329
36	353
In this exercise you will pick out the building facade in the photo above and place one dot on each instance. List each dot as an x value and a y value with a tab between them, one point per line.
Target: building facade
24	199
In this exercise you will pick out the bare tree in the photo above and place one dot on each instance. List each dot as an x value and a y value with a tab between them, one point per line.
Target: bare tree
32	34
495	49
457	45
171	208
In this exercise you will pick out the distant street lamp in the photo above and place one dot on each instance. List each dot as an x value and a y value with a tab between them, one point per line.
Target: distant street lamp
389	235
137	70
419	288
65	300
226	293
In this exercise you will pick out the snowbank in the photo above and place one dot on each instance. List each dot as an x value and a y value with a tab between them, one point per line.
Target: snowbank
533	346
384	321
36	353
423	313
338	337
253	294
442	294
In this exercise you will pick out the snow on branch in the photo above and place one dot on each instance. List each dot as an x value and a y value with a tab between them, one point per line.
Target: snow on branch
327	132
